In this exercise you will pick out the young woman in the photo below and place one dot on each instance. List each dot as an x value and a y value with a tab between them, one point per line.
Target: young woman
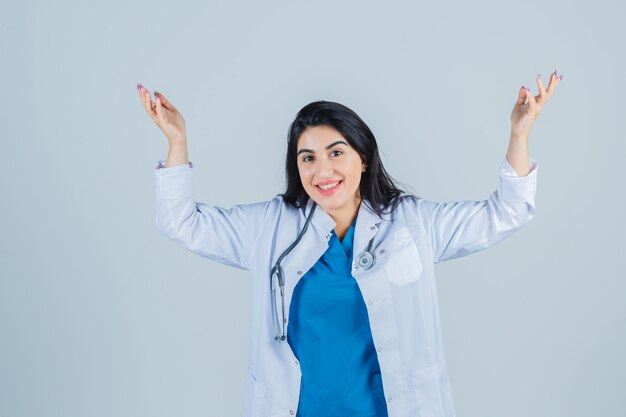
344	316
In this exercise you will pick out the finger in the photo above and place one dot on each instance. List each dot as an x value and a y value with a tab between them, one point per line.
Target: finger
159	109
165	102
521	96
142	92
542	91
532	102
554	80
147	104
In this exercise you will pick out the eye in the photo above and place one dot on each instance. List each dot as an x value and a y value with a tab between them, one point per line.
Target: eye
304	159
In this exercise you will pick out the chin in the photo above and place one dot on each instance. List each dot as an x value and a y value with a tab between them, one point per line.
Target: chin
331	205
327	206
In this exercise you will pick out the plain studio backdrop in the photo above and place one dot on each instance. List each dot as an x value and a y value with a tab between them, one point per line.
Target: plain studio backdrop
101	315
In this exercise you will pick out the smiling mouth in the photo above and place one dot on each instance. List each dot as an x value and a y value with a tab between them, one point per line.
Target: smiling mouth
326	189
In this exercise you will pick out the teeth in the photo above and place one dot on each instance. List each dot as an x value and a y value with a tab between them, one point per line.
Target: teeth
329	186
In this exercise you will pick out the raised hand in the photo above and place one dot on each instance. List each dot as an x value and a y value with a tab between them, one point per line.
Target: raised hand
164	114
523	115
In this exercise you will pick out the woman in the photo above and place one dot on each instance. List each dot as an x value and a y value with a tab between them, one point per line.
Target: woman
344	318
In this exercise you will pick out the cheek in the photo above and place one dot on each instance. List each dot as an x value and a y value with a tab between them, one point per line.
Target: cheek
355	173
305	176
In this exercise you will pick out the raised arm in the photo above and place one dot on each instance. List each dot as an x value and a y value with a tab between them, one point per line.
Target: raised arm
523	117
223	235
460	228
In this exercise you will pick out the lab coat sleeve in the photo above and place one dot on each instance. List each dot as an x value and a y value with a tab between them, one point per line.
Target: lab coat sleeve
220	234
463	227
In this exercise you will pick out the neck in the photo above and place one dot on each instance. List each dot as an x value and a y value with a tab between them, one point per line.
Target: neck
345	216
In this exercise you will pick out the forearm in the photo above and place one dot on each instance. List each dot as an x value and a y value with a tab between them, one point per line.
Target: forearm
517	154
177	154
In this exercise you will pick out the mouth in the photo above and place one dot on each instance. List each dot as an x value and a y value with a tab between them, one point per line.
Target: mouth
329	191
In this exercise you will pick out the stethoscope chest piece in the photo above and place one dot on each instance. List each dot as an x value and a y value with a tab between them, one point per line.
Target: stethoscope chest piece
365	261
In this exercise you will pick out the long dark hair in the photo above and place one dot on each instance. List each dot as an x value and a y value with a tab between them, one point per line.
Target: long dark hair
376	185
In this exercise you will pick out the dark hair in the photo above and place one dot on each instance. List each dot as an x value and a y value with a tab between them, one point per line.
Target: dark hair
376	184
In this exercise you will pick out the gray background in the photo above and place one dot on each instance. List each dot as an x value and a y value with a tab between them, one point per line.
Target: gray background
100	315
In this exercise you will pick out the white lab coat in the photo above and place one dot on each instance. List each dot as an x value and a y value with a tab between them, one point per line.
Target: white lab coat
399	291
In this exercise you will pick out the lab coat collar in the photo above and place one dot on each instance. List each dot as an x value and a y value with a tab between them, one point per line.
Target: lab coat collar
324	221
365	228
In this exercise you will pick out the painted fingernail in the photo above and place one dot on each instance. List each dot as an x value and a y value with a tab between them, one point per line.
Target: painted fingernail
155	94
538	76
560	77
554	73
527	89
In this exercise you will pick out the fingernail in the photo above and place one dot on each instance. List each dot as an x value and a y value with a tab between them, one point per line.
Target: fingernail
527	89
139	86
560	77
538	76
554	73
155	94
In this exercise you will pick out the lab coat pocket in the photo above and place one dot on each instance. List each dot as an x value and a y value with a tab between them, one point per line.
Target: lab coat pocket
254	397
432	390
402	261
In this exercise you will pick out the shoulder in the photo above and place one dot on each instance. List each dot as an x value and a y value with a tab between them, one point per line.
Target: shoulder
410	211
412	205
275	207
404	206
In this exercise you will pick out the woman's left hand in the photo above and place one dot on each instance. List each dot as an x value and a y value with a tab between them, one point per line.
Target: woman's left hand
523	115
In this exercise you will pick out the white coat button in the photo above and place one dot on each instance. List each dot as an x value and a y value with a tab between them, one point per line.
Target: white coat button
291	412
369	302
380	349
299	272
382	251
389	399
373	228
327	236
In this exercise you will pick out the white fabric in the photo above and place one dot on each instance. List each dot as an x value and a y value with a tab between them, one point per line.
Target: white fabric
399	290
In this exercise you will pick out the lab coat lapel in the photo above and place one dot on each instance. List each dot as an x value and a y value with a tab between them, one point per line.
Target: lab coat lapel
366	223
366	227
321	221
321	226
313	244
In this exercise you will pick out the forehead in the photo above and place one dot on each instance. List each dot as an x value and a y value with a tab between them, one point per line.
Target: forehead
319	137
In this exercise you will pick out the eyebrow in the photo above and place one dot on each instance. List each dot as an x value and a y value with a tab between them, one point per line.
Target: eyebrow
339	142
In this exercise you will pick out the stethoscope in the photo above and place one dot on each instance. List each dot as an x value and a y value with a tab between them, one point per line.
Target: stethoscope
364	262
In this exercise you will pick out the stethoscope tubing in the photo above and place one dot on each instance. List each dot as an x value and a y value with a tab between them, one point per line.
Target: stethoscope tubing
365	261
278	270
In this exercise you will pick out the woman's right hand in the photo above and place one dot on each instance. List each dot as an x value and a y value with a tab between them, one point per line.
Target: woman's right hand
165	115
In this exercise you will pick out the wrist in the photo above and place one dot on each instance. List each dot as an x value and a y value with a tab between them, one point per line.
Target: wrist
179	141
519	136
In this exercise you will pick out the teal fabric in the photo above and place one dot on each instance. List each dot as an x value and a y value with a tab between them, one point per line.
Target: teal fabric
330	334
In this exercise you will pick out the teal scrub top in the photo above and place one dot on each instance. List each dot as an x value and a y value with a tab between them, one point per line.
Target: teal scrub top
329	332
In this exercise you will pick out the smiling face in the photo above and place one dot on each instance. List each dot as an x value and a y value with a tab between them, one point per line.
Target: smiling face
325	158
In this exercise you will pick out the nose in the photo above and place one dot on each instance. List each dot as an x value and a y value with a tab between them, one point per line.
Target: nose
325	168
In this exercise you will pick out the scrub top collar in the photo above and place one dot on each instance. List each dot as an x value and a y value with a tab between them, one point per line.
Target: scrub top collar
323	221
